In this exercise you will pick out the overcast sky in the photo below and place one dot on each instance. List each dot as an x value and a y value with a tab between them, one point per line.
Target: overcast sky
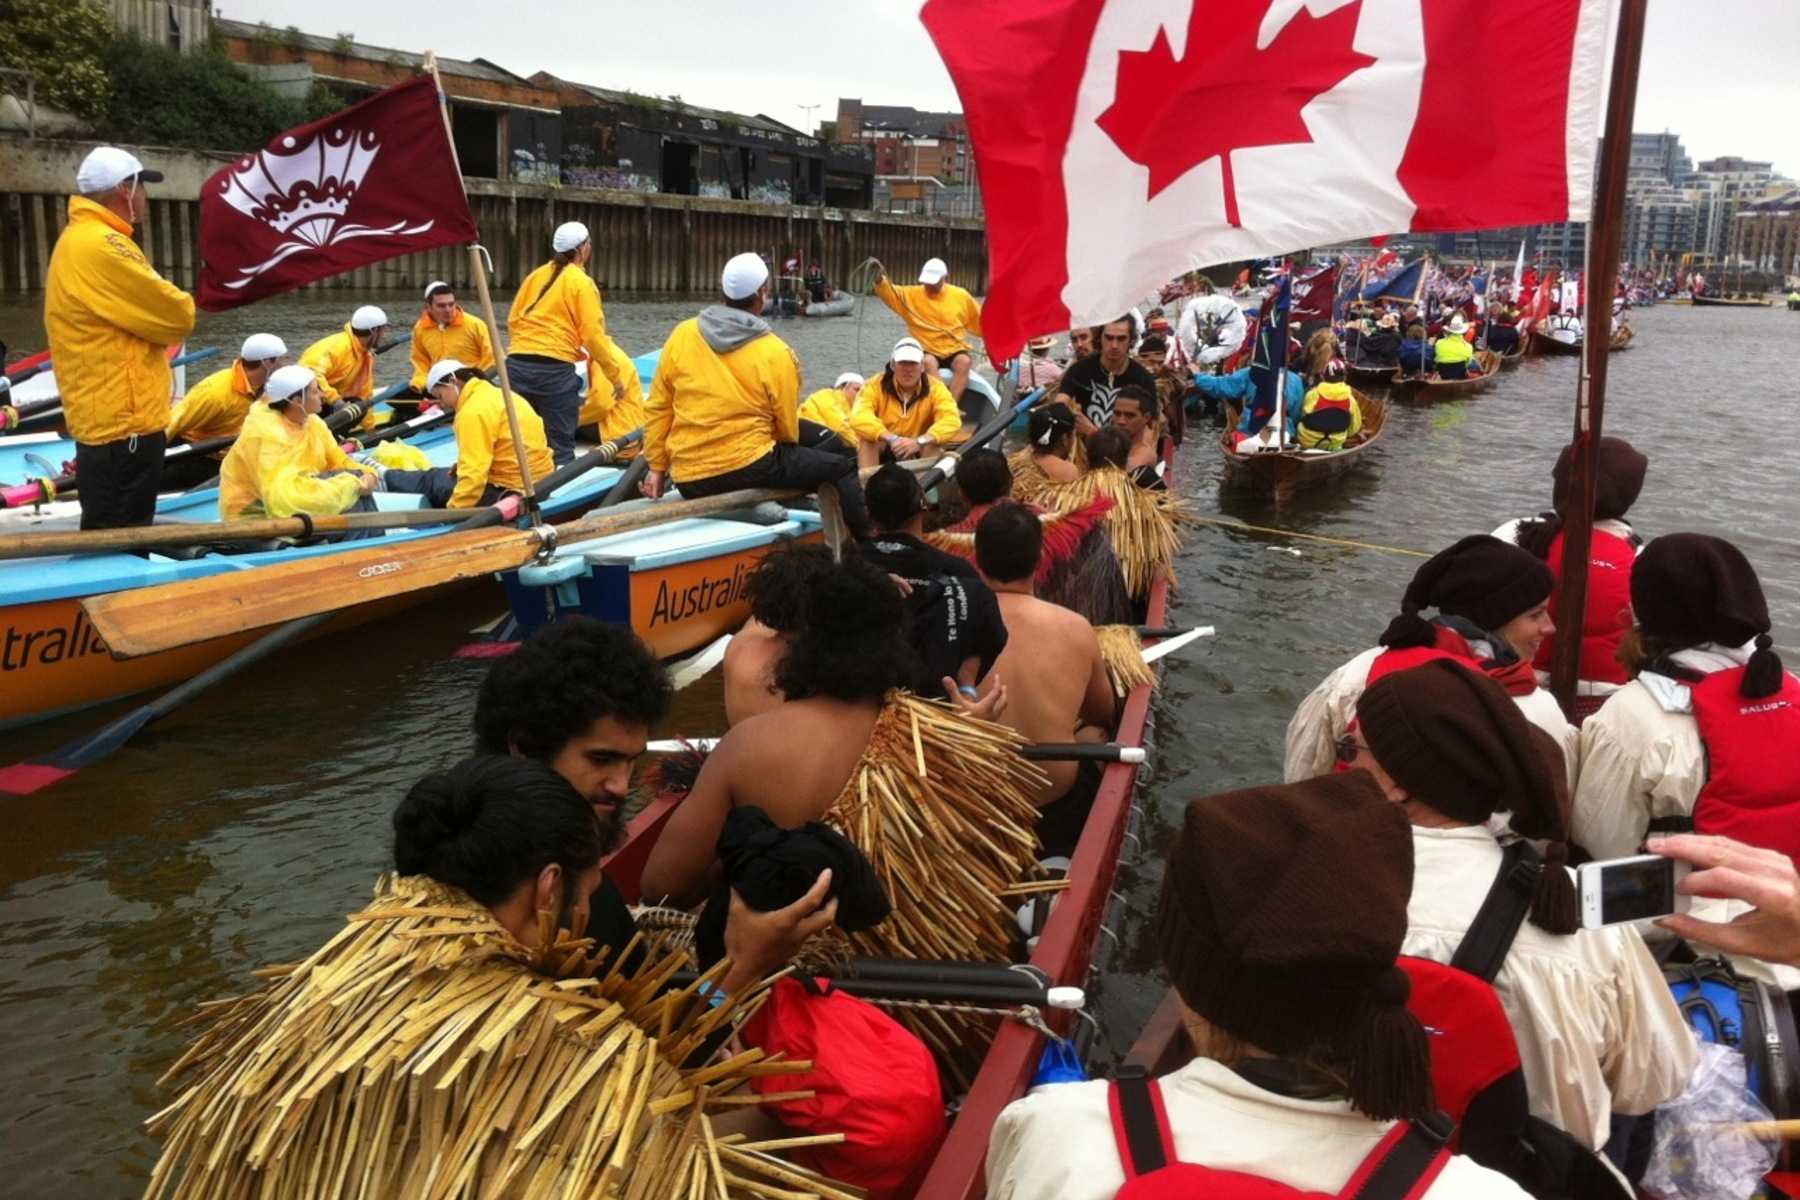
1721	73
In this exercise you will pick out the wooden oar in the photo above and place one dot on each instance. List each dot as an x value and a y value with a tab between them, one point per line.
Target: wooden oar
991	985
1041	752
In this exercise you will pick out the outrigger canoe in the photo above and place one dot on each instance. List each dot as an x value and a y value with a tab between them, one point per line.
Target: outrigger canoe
1279	473
1428	389
1065	953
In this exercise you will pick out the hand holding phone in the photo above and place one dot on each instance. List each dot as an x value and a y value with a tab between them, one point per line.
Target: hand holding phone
1616	891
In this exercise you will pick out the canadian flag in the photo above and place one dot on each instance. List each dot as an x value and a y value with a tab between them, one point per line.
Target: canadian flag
1146	137
374	181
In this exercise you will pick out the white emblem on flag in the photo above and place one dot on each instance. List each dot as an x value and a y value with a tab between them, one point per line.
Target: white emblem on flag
304	191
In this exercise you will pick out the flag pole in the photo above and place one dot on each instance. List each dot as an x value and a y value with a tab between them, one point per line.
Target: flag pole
1600	280
478	271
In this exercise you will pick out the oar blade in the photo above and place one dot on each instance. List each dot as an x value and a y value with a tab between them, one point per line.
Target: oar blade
1169	646
34	775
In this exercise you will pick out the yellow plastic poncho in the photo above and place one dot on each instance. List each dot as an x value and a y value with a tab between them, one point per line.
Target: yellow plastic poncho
709	413
484	444
274	469
110	319
941	323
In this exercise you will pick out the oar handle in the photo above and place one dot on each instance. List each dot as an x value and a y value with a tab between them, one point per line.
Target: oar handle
987	984
628	481
193	356
597	457
1155	632
982	437
401	340
1109	752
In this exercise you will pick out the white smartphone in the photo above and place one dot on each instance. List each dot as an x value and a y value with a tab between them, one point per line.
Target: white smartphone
1617	890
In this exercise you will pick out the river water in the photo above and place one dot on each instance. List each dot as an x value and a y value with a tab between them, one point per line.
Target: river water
239	831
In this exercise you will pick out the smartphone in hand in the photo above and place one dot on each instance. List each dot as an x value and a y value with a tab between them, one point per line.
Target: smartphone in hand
1616	891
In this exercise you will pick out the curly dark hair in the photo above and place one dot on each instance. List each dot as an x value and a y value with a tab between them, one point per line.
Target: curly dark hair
854	645
984	476
779	588
1108	447
562	679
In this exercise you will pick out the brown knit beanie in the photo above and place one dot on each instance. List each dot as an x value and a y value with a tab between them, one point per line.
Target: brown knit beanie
1456	741
1618	477
1688	588
1480	578
1282	912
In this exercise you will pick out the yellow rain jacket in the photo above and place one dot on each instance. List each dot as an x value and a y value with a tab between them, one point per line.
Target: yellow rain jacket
1452	348
709	413
557	314
615	412
484	445
274	469
344	367
465	339
828	407
879	412
111	319
1329	395
942	324
213	408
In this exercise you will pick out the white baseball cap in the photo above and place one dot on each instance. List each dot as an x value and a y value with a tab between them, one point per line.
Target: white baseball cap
933	271
849	377
259	347
287	383
907	350
106	167
744	276
568	235
433	286
441	370
366	318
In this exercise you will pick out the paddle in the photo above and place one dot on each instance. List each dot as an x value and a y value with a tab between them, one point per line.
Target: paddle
701	664
981	437
1170	645
599	456
1040	752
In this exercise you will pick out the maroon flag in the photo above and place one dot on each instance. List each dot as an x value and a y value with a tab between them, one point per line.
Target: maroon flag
361	186
1314	294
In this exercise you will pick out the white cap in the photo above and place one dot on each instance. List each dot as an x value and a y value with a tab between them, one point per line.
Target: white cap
106	167
849	377
287	383
433	286
933	271
441	370
907	350
744	276
259	347
568	235
366	318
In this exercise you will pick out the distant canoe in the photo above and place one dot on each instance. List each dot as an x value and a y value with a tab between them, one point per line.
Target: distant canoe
1509	361
841	304
1622	336
1429	389
1369	375
1543	343
1729	302
1278	474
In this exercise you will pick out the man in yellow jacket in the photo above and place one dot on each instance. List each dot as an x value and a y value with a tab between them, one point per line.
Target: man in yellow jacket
904	411
215	408
941	317
827	412
1452	354
487	464
344	362
286	462
724	407
111	319
443	331
614	409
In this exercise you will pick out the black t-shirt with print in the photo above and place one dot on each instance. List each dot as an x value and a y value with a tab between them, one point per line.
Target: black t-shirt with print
1095	388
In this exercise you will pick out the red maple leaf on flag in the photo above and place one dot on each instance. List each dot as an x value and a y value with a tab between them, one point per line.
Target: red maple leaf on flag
1226	93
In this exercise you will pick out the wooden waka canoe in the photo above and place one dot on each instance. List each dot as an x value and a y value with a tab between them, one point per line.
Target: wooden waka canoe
1278	474
1429	389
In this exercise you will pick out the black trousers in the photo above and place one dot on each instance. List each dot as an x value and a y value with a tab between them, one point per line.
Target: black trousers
117	481
788	466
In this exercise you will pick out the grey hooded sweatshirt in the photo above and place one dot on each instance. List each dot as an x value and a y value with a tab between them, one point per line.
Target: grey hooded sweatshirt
726	329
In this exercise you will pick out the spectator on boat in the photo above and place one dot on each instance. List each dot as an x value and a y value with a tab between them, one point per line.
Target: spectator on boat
1503	329
1239	390
1702	737
827	413
1492	601
555	317
1134	415
466	965
1381	348
724	406
818	288
1415	351
445	331
941	317
344	362
286	463
613	410
1210	329
1081	344
1066	694
111	320
905	411
1091	385
1452	355
1037	369
1612	552
1330	415
1280	921
1048	456
1152	351
1597	1029
487	460
217	405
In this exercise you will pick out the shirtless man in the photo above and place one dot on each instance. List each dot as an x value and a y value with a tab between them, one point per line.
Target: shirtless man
1064	694
1134	415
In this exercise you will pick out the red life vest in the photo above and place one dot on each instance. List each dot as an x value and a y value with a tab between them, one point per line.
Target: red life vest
1607	614
1402	1167
1752	790
1516	677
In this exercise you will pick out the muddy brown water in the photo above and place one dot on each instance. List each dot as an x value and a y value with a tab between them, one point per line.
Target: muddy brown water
240	830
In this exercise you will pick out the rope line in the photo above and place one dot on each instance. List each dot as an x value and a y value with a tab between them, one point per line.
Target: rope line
1245	527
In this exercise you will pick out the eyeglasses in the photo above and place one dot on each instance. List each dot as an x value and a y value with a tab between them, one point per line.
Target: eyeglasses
1348	748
